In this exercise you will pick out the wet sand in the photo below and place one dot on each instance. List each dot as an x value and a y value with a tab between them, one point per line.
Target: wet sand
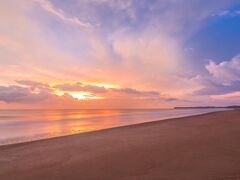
202	147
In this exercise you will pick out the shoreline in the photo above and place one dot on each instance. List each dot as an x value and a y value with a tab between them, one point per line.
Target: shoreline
204	146
123	126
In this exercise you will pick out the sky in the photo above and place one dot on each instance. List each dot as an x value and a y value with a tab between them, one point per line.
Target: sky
95	54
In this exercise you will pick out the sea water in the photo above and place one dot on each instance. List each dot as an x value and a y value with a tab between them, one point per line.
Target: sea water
27	125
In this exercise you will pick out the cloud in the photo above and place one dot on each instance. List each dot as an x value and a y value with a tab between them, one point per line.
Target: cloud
26	91
80	87
223	13
17	94
28	48
32	83
225	72
168	15
49	7
130	91
223	78
135	44
39	94
228	13
219	89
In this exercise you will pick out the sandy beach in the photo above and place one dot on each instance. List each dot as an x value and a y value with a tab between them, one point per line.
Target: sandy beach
202	147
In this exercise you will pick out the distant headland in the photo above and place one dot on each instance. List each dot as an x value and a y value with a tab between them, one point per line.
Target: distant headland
207	107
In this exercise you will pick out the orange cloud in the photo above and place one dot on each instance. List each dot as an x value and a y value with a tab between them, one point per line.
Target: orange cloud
78	95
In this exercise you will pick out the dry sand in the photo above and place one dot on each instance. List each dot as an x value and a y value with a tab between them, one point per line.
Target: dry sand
202	147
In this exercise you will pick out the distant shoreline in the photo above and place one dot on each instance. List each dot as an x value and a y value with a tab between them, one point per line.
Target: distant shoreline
209	107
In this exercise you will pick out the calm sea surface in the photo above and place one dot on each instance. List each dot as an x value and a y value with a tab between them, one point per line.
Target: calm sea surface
27	125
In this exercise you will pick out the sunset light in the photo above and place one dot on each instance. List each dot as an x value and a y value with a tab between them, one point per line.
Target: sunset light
83	95
70	52
119	89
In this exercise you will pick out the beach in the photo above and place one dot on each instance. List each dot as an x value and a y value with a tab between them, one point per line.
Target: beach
200	147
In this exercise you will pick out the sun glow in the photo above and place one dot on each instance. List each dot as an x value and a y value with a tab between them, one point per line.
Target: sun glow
58	92
83	95
78	95
107	86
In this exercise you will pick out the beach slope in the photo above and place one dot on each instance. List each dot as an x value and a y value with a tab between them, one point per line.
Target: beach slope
199	147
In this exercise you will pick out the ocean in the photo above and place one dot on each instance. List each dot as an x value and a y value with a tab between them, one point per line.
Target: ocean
27	125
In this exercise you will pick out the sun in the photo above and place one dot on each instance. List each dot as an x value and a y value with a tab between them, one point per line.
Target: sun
83	95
